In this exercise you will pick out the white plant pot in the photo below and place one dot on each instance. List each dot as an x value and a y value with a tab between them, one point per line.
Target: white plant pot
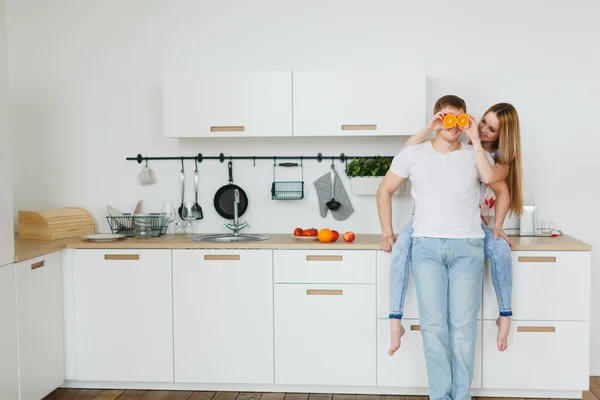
368	185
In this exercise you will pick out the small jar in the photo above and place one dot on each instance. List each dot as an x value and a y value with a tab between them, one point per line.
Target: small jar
179	228
143	229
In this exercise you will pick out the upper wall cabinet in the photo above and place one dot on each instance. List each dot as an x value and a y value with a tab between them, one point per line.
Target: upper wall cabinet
376	103
228	104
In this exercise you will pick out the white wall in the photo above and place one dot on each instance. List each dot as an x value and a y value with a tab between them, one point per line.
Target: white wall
6	191
86	80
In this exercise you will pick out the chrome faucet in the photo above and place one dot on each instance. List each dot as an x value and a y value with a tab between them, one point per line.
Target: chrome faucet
236	227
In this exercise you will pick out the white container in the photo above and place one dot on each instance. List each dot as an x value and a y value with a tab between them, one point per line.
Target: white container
527	223
368	185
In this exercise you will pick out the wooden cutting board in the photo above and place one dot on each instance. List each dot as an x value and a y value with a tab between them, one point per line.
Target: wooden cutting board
59	223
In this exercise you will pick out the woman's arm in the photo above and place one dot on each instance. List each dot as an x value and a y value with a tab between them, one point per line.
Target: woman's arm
433	125
489	173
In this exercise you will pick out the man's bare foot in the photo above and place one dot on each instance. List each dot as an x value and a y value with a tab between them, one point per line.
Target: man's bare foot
503	329
396	331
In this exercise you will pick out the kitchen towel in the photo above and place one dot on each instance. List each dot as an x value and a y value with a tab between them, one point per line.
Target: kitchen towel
323	186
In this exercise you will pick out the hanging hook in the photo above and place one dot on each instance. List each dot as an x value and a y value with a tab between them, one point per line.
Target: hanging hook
274	161
301	161
196	162
332	165
146	162
254	160
182	167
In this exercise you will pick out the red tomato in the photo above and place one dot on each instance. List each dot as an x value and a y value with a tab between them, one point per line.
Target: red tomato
306	232
298	232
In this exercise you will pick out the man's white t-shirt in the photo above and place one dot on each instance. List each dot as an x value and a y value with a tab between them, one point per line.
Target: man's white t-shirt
445	188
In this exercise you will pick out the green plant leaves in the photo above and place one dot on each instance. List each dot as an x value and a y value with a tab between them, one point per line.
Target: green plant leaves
377	166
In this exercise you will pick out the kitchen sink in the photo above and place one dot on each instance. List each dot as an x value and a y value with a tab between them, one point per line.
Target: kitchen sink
230	238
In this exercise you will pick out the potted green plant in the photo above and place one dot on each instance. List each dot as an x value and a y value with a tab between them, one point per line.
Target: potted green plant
366	174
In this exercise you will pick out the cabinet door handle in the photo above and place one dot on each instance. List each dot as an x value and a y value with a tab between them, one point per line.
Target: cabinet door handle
415	327
114	257
38	264
324	258
359	127
227	128
324	292
222	257
537	259
547	329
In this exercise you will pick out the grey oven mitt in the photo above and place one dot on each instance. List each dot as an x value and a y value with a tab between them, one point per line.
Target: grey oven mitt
323	186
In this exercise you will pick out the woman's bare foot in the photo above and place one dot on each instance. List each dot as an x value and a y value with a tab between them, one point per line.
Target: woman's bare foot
503	329
397	331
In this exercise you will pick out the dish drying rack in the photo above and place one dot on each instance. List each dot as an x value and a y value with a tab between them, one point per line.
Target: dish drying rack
125	223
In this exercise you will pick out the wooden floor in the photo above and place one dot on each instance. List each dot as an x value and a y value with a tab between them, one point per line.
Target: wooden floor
94	394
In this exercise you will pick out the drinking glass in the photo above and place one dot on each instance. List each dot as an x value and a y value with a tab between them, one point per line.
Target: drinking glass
169	210
189	214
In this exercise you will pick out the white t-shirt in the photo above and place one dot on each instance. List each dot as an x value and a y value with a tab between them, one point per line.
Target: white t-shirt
445	188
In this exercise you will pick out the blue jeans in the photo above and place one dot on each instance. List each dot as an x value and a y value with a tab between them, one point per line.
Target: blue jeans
497	250
448	275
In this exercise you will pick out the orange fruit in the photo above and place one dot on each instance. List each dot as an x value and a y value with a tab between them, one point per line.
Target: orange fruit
325	235
462	120
450	121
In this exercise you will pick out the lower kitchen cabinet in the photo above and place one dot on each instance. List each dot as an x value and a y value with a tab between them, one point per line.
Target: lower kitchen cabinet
9	372
407	367
541	355
40	325
325	334
223	316
123	315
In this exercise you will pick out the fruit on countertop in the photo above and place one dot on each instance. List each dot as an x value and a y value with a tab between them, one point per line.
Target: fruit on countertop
325	235
349	237
305	232
336	235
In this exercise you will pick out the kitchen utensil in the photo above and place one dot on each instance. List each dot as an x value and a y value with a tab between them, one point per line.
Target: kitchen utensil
104	237
143	229
146	176
169	210
113	211
333	204
138	208
182	179
287	190
197	208
127	223
306	238
225	198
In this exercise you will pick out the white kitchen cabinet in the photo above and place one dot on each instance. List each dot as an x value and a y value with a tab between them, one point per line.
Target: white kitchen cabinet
40	325
325	334
9	380
123	315
538	276
228	104
359	103
324	266
541	355
223	316
407	367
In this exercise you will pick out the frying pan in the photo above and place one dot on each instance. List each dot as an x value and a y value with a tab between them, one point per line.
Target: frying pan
225	196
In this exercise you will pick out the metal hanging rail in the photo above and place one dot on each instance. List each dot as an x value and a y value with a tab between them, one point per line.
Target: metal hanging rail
221	157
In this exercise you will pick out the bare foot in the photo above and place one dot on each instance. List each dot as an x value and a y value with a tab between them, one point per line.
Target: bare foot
397	331
503	329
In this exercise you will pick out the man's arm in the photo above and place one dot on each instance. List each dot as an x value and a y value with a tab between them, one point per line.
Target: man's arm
435	124
502	206
391	182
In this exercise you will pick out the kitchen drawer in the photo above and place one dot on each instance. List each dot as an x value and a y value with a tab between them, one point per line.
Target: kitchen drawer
547	285
541	355
325	334
407	367
324	266
411	307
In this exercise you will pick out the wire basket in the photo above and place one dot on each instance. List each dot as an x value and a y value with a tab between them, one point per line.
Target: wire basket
287	190
126	223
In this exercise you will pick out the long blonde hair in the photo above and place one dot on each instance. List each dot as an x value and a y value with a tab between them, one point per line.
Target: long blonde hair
509	152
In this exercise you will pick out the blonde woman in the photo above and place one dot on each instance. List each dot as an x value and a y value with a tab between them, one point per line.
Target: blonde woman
496	139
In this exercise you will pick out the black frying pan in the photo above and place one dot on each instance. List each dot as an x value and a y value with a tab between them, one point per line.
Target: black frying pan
224	198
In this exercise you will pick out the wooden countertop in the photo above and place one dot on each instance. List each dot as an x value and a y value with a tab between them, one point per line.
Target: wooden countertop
26	248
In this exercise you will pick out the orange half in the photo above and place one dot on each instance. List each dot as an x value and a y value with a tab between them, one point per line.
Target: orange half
449	121
462	120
